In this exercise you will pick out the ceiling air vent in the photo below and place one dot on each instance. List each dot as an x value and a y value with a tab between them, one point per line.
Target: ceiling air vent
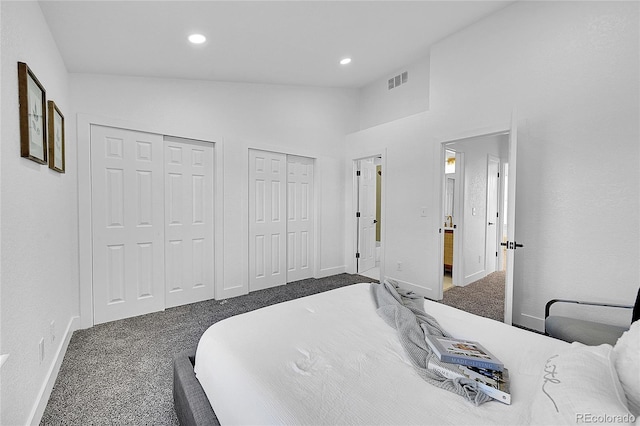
398	80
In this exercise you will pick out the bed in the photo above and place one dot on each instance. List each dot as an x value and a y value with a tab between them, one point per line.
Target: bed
330	359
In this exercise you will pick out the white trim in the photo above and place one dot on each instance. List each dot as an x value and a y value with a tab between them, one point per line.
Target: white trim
474	277
317	219
507	128
496	129
351	204
50	379
423	290
531	322
85	257
327	272
218	212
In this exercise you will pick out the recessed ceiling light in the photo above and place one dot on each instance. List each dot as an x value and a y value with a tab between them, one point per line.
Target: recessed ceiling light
345	61
197	38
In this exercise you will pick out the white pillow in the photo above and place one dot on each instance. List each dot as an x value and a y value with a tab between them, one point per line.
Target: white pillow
580	386
627	354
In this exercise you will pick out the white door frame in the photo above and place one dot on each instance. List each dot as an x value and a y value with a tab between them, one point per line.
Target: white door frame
85	256
495	220
457	270
363	262
351	264
509	128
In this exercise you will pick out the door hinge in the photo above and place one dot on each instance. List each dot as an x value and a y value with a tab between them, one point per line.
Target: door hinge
496	254
357	255
498	174
358	173
357	214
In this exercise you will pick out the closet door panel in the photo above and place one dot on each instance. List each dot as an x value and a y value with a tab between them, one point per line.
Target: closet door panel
127	223
267	219
300	224
189	221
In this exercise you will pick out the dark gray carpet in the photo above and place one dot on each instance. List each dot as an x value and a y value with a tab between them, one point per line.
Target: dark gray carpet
484	297
121	372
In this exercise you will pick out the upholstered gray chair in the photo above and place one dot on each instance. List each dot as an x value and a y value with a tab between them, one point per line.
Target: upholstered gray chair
584	331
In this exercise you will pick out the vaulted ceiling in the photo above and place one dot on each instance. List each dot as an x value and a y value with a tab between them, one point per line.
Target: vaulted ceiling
274	42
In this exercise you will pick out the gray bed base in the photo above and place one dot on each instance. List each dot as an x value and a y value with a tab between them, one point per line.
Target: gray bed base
191	403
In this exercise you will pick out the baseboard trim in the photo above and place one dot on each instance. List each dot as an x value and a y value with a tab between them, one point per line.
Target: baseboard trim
323	273
531	322
474	277
52	374
419	289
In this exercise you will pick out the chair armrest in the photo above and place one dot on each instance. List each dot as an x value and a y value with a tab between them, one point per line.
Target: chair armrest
547	307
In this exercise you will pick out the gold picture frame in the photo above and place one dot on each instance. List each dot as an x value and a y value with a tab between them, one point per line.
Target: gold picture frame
56	138
33	115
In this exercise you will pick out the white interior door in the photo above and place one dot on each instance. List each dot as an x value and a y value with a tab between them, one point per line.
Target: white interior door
300	230
188	195
491	234
267	219
367	219
127	223
511	220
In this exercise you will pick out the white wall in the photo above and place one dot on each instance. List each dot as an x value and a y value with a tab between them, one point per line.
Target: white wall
38	222
410	173
571	70
303	121
379	105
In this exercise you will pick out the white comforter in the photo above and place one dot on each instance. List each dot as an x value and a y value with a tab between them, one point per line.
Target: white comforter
329	359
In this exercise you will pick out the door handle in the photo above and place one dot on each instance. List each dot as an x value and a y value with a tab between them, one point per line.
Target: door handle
511	245
491	223
375	221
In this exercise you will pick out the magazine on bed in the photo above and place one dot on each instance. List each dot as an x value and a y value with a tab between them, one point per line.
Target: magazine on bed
463	352
491	382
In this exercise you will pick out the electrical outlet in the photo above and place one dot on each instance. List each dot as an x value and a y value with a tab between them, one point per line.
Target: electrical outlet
41	350
399	266
52	330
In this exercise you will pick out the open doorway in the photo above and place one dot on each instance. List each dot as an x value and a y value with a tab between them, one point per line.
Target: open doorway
369	216
452	177
474	214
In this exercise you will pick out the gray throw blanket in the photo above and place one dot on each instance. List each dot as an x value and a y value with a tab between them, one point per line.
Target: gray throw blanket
402	311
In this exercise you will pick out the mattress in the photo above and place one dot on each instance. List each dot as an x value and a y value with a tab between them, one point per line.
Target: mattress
330	359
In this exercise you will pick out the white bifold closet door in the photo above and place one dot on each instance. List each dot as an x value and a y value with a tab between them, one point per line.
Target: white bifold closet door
152	222
188	221
128	223
299	218
280	219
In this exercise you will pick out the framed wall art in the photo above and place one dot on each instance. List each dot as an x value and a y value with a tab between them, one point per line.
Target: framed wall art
33	110
56	138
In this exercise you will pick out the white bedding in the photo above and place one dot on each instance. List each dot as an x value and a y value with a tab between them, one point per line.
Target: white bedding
329	359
